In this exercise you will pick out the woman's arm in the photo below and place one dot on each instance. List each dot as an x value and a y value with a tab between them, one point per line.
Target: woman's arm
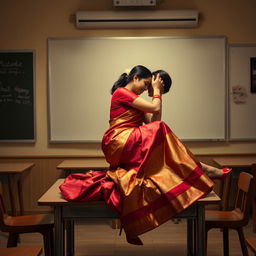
149	117
146	106
151	107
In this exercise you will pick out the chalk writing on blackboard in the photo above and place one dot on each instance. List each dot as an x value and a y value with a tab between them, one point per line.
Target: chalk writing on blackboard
17	96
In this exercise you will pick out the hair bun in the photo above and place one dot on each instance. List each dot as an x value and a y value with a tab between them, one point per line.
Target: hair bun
127	71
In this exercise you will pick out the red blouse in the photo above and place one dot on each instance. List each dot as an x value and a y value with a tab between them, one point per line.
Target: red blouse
121	101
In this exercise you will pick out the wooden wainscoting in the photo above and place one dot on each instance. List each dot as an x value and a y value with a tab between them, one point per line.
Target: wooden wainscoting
44	174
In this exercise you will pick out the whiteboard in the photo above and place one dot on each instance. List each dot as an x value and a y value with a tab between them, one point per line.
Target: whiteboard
83	70
242	115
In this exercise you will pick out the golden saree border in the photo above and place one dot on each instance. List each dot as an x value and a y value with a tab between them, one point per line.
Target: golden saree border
126	180
116	136
169	204
158	177
130	118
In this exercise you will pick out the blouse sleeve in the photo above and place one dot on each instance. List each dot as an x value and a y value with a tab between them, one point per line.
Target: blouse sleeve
124	96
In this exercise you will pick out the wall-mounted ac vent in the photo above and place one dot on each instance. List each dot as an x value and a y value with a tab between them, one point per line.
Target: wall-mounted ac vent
134	2
137	19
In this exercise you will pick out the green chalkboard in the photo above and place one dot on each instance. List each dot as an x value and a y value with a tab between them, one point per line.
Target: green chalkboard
17	96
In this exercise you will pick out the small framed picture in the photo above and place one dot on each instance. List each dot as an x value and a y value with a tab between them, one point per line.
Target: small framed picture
253	75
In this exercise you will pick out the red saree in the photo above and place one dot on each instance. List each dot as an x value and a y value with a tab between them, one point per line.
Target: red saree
152	175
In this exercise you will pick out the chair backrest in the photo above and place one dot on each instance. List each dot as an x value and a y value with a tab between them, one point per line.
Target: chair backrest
3	212
244	194
254	180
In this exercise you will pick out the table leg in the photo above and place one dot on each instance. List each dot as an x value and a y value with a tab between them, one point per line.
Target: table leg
190	237
226	193
20	195
70	237
59	234
11	193
254	199
254	215
200	226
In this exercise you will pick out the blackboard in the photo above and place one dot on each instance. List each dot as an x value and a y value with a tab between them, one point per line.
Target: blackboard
82	71
242	106
17	96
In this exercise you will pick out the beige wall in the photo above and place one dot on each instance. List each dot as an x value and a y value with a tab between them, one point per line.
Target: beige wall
27	24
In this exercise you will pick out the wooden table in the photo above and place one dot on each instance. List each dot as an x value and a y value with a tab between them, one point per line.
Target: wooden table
86	164
235	161
14	173
82	165
64	210
238	163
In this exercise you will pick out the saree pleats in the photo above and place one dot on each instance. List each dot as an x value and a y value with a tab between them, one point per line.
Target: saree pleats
117	136
161	178
152	175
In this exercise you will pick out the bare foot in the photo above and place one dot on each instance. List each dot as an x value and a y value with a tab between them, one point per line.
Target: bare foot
212	171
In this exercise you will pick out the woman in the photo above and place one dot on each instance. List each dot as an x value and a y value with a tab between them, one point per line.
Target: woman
152	175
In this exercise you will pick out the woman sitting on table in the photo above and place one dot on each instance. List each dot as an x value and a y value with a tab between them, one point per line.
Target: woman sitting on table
152	175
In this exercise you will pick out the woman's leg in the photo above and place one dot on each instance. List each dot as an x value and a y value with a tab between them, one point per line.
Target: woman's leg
212	171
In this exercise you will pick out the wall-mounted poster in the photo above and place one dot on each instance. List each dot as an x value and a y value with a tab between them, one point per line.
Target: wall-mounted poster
253	75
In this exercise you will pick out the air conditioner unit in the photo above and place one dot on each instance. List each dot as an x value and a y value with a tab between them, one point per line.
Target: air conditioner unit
137	19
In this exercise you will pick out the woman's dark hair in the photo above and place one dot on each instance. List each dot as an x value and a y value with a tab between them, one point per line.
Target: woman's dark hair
166	79
124	79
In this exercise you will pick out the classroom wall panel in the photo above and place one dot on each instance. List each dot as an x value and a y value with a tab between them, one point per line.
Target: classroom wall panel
242	97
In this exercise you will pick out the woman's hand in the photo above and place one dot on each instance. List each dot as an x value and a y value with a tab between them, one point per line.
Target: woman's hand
154	107
157	84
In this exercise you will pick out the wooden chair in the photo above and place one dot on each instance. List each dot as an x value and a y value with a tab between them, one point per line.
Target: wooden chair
235	219
21	251
251	243
254	198
36	223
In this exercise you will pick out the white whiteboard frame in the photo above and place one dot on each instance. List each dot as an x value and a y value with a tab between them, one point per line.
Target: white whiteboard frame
230	137
222	138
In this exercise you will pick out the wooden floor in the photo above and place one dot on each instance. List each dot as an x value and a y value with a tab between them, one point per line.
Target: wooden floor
97	238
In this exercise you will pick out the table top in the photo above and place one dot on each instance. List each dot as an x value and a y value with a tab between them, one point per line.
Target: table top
15	167
86	163
235	161
53	197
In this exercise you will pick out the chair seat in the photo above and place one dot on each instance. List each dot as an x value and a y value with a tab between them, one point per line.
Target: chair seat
236	219
251	242
21	251
222	219
36	223
28	222
211	215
